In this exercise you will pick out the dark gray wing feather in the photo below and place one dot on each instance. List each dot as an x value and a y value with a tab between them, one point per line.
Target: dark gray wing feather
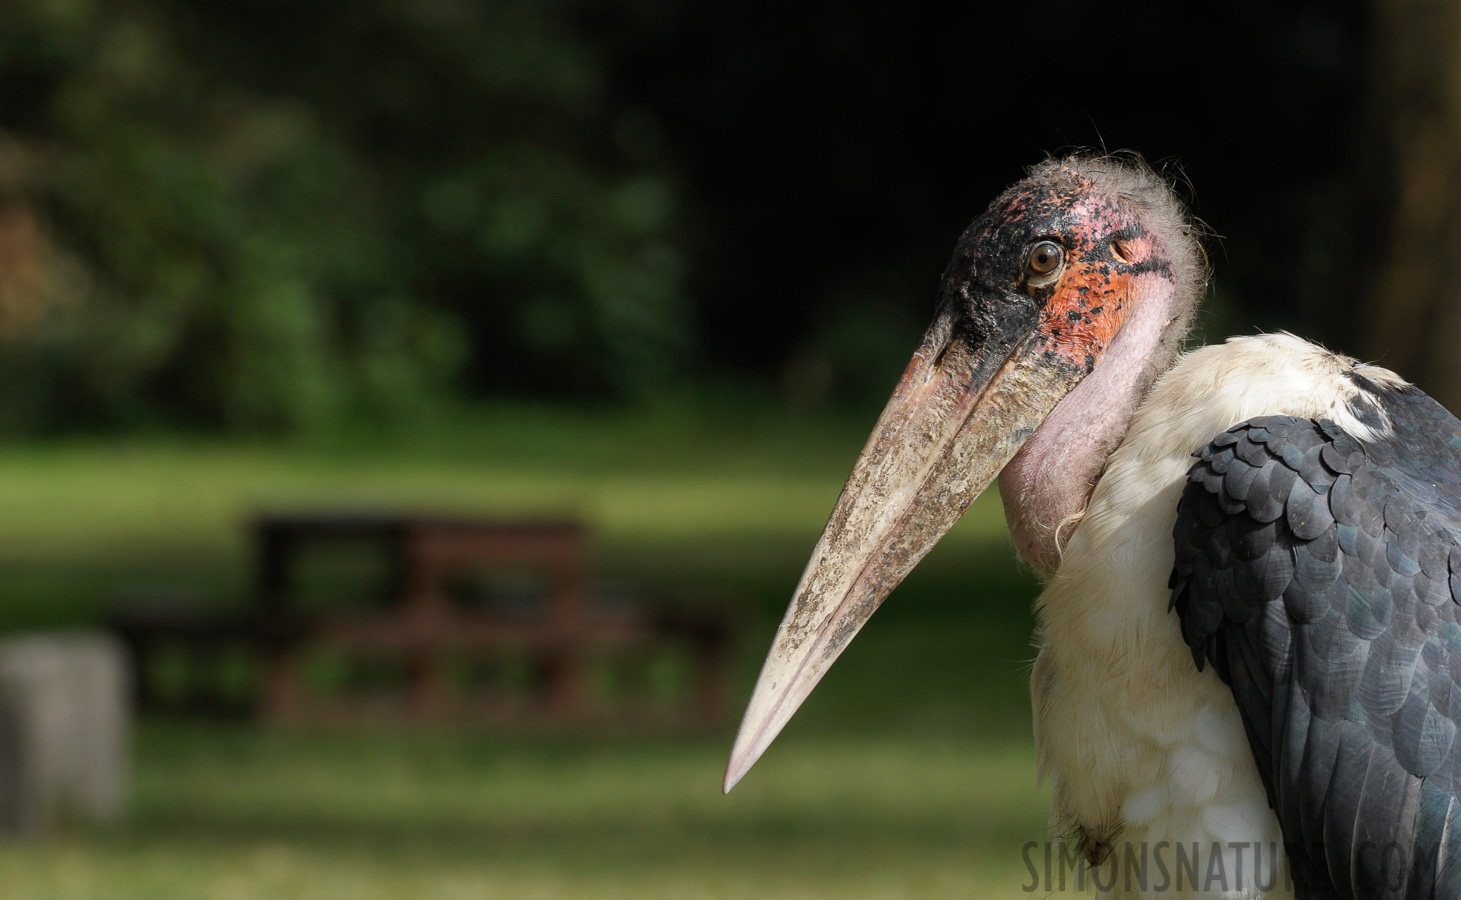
1320	576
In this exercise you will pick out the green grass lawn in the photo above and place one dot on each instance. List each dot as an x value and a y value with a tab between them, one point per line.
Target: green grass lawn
908	774
223	813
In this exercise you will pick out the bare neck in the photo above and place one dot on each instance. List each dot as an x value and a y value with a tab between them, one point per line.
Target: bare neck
1047	485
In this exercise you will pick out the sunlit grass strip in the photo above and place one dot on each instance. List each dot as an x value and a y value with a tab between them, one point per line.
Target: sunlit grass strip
239	814
78	503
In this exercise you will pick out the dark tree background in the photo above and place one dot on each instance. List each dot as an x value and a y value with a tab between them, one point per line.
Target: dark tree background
267	215
1413	318
836	152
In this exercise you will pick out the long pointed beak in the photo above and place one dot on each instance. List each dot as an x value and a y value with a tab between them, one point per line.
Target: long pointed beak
961	411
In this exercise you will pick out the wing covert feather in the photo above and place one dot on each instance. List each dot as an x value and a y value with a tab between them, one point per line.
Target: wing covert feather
1320	575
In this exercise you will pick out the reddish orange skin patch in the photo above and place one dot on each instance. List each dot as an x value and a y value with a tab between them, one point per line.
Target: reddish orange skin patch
1089	302
1087	309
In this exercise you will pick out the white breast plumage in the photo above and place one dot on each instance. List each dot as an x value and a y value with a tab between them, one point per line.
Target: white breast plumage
1140	746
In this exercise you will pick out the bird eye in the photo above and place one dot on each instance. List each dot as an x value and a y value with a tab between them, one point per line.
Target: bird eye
1043	264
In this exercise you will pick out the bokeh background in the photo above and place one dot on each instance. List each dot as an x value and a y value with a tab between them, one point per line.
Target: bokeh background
651	264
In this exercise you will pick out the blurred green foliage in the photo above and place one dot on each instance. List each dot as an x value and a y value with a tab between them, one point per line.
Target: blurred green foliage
270	216
265	216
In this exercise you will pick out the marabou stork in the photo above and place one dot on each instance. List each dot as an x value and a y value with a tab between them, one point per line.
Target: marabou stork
1249	639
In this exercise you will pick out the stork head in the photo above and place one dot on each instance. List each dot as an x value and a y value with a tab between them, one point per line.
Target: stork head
1062	303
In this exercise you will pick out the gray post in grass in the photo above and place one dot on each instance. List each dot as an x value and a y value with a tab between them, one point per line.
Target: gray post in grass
65	730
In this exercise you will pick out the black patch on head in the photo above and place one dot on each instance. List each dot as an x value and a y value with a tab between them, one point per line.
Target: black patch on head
1153	264
1129	233
985	280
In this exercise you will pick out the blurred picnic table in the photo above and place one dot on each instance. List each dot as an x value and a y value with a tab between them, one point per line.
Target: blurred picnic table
445	641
